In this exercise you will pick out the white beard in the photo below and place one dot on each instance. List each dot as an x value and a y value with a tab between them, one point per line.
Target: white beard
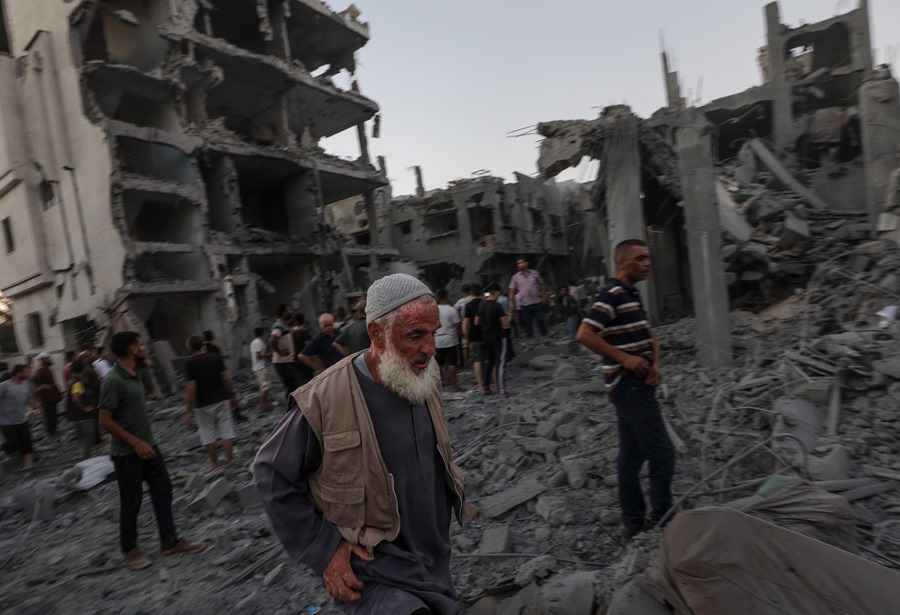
396	374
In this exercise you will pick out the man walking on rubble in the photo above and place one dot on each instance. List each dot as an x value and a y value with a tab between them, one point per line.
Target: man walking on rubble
209	388
283	355
526	298
135	456
48	392
259	364
617	328
358	479
320	353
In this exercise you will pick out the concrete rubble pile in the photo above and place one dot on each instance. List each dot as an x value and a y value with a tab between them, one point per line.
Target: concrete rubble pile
812	394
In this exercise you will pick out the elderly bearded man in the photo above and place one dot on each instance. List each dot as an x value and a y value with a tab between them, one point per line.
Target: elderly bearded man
358	479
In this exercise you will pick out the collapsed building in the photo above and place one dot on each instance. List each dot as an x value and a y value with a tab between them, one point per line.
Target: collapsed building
824	125
160	167
475	229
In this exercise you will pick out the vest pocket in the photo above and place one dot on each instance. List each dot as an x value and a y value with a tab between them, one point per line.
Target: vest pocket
341	440
343	504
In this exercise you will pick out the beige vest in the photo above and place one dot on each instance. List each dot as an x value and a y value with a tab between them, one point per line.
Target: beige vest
353	488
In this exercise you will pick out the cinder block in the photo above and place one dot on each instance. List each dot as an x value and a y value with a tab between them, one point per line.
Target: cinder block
248	496
216	492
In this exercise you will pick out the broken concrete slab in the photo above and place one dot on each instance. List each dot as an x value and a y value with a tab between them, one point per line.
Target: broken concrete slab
554	510
576	470
568	594
499	503
495	539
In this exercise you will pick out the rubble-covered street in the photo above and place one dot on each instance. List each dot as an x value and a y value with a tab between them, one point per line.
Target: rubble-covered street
172	167
821	366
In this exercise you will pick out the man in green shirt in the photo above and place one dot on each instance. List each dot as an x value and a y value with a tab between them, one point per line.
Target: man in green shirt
137	459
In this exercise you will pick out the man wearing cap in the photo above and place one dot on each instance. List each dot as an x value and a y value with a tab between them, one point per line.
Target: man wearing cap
358	479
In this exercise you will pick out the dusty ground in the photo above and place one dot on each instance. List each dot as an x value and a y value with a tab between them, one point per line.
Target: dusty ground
556	437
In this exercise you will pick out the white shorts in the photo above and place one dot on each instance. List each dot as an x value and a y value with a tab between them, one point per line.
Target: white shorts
262	377
214	423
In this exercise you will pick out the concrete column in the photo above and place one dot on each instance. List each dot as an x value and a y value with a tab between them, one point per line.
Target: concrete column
781	103
625	209
704	233
879	109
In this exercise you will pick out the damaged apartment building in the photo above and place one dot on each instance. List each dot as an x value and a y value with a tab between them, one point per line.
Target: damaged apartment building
823	125
160	166
475	229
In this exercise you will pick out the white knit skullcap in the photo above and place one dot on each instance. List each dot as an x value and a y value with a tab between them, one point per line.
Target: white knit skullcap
392	291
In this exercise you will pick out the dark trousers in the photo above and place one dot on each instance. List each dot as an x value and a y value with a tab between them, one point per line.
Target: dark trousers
289	375
131	474
642	437
50	418
493	352
532	314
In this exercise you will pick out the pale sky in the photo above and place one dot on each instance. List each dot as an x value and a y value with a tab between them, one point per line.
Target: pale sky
454	77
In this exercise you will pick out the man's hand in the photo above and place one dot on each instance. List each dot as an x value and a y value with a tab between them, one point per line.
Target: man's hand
654	376
636	365
144	450
340	582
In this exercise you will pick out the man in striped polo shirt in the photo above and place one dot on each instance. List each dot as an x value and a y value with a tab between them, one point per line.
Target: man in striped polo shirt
617	329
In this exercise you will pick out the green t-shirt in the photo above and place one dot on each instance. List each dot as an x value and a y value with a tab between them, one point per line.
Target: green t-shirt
123	395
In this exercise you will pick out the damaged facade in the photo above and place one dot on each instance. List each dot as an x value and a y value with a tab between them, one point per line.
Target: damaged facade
824	126
161	171
475	229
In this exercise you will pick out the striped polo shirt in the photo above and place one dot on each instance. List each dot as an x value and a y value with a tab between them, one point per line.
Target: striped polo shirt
619	317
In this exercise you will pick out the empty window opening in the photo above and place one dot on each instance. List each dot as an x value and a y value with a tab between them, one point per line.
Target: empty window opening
405	228
48	194
237	22
35	330
159	220
146	111
537	220
441	223
124	32
218	179
79	332
735	126
8	343
251	111
8	235
481	220
176	318
4	36
362	238
164	267
263	202
153	160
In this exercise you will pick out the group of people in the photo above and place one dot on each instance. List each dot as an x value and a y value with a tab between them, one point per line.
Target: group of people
22	387
297	354
358	479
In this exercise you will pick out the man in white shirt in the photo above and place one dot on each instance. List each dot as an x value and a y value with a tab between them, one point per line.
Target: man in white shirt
446	339
101	365
259	364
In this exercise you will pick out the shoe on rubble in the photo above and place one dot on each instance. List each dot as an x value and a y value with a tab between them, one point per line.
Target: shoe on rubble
631	529
135	559
184	546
